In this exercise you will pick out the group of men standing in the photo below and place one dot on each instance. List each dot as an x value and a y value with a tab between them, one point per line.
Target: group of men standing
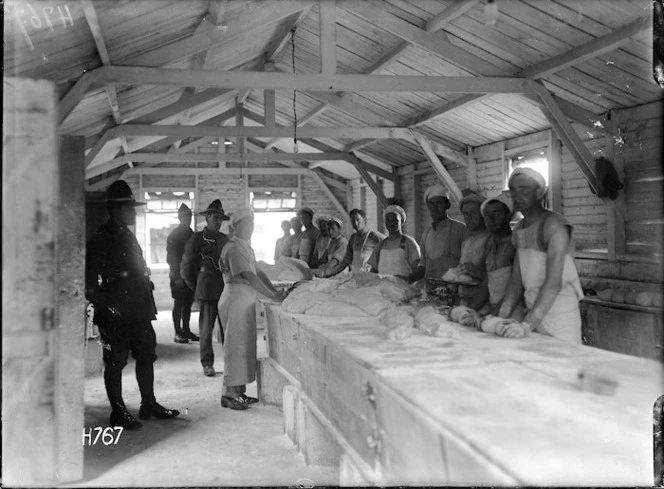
526	273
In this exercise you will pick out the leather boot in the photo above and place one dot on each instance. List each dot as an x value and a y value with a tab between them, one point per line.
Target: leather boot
121	417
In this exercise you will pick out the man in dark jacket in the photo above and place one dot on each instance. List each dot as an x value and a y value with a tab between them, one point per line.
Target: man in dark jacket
118	285
200	271
183	296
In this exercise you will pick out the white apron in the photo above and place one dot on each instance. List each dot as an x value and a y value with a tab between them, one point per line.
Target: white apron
360	255
564	318
393	262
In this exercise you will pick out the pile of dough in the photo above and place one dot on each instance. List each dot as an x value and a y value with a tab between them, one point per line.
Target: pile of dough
453	275
465	316
399	323
432	323
286	269
500	327
347	296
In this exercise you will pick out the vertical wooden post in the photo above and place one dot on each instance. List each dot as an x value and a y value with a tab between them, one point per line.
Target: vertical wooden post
29	188
70	335
615	209
417	199
471	170
269	100
380	207
555	172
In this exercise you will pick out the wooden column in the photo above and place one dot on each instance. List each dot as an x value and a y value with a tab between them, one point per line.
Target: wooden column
615	209
555	172
40	297
417	200
71	303
471	170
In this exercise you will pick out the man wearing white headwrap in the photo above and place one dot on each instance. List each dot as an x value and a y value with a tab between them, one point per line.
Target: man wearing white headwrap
237	310
319	255
441	242
543	271
398	254
360	246
473	252
497	212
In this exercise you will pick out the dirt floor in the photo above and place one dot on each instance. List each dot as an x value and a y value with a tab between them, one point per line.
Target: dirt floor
207	445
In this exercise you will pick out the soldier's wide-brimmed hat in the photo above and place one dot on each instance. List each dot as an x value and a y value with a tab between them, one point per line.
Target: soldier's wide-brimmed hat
216	208
184	210
119	195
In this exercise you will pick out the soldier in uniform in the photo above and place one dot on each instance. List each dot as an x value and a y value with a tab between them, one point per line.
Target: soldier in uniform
118	285
183	296
200	271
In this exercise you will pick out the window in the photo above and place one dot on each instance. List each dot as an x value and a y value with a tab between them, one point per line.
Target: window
273	200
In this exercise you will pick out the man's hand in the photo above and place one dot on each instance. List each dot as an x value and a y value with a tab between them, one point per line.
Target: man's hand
470	269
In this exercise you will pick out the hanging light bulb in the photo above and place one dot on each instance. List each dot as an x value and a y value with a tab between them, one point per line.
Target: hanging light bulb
295	147
490	13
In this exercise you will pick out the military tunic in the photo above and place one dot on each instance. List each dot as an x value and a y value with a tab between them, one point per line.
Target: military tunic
175	244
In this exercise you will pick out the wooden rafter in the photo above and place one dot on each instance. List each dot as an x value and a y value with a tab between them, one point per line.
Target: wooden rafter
593	48
373	12
327	15
364	173
437	23
438	167
76	93
111	94
262	132
217	9
456	9
249	20
128	75
567	134
371	167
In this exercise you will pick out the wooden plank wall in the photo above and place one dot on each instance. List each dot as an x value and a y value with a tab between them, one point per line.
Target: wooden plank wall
584	210
640	146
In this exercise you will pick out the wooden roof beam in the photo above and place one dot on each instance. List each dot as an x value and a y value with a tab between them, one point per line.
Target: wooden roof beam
438	167
69	102
127	75
263	132
375	13
589	50
574	56
217	9
253	18
233	157
567	134
364	173
376	170
327	20
456	9
93	23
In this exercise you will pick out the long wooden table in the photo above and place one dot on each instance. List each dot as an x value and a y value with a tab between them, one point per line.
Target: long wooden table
478	410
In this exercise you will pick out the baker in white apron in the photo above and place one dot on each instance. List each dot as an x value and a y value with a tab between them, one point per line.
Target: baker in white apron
237	310
398	254
544	266
473	253
497	212
308	236
440	243
360	246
